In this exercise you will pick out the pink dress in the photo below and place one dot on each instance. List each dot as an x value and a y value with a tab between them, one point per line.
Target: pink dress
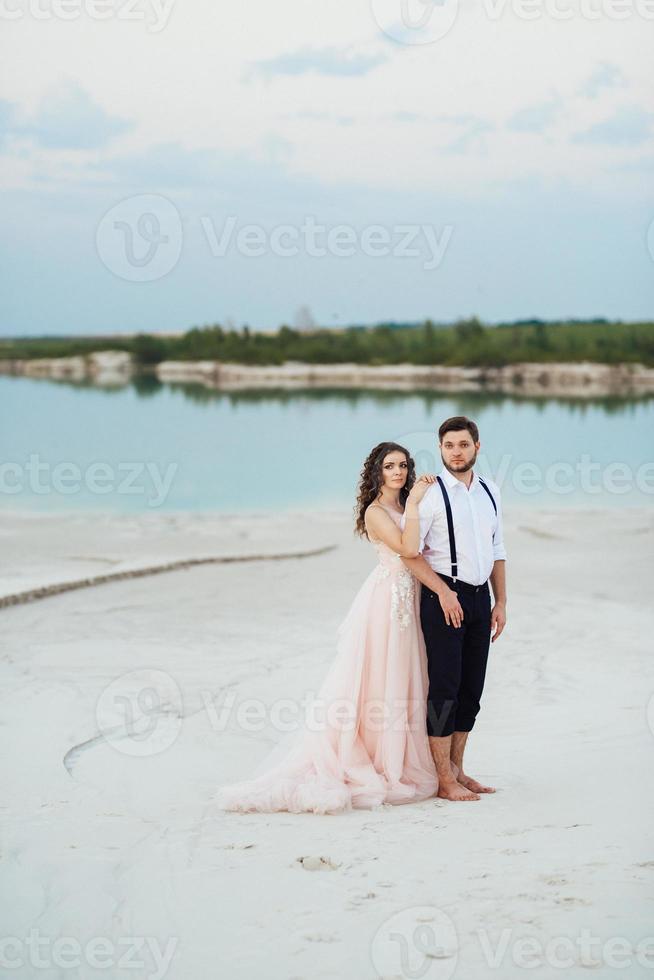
366	743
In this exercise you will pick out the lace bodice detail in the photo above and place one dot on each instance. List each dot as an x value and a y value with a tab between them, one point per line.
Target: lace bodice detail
391	568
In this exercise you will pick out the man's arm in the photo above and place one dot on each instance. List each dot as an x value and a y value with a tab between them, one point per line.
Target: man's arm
447	597
498	582
498	574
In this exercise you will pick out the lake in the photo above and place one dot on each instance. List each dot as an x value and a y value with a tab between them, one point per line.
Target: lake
151	447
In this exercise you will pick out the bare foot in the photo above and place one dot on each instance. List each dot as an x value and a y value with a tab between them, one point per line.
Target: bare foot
473	785
451	790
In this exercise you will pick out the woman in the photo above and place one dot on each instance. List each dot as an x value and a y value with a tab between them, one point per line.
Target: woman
366	742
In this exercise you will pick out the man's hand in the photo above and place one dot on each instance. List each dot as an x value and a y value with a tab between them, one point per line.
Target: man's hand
451	607
431	580
498	620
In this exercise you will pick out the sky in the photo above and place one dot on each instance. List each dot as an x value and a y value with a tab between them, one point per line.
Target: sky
175	163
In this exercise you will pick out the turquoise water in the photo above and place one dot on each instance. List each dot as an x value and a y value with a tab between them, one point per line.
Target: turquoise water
149	447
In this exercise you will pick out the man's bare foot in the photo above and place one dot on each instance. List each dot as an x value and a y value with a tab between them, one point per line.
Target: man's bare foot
473	785
452	790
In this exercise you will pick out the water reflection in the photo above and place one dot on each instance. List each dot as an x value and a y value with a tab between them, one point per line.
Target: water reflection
259	449
469	402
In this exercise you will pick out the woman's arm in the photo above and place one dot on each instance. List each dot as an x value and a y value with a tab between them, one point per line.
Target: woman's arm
405	543
447	597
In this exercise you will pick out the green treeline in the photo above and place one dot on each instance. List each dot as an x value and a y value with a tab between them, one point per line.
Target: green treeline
466	342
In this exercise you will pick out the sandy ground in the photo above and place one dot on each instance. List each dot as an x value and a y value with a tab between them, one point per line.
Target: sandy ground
124	706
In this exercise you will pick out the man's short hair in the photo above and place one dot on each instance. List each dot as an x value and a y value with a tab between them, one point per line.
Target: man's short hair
456	424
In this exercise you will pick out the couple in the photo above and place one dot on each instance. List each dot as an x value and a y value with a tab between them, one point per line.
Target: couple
403	691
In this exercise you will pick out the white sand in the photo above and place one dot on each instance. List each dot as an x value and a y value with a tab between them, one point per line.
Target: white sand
112	837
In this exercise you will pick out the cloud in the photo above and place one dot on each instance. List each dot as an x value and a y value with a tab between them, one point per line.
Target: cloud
170	165
7	110
471	138
312	116
321	61
409	117
534	118
243	182
605	75
629	125
643	165
460	119
176	165
67	119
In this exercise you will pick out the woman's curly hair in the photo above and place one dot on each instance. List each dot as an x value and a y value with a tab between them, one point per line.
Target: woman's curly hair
372	480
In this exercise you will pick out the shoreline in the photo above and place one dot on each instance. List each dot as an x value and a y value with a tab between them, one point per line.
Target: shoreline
583	379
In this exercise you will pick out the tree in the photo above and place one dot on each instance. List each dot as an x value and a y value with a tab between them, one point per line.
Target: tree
541	337
148	349
467	330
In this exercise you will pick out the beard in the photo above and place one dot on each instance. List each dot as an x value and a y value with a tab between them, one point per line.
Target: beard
460	467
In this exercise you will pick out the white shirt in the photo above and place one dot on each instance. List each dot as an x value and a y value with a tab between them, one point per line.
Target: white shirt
478	533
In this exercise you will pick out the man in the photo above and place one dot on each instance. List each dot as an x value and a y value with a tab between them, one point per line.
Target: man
462	548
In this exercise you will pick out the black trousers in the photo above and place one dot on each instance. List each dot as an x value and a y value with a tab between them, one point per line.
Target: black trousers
456	657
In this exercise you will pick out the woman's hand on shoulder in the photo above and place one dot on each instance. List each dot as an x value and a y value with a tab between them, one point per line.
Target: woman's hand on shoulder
420	488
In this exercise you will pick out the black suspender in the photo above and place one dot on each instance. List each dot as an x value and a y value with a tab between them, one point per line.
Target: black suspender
450	528
489	494
450	522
